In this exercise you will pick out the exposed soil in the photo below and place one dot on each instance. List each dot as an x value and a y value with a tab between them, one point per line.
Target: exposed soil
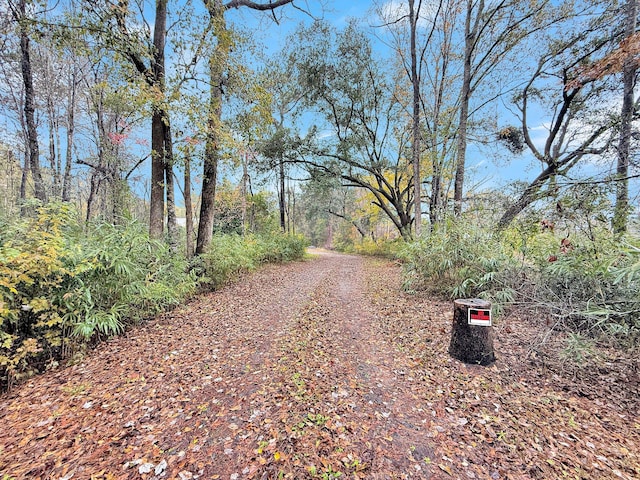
322	369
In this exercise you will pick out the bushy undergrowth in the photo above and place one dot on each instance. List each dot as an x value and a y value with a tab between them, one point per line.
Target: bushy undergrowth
231	255
62	286
583	283
594	287
371	247
459	260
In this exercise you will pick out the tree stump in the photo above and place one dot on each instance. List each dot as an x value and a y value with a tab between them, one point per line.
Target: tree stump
471	343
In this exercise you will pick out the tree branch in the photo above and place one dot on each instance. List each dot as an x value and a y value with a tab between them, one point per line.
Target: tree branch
256	6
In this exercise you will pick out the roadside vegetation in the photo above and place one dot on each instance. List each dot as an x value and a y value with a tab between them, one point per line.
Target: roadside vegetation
64	287
491	148
583	283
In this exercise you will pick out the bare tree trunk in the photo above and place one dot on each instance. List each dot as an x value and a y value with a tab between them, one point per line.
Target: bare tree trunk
188	205
465	95
292	202
23	183
621	213
93	192
156	204
207	199
245	178
19	13
55	191
71	109
172	226
217	64
415	135
283	224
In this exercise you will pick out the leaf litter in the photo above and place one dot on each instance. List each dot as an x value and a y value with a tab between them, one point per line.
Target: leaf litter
320	369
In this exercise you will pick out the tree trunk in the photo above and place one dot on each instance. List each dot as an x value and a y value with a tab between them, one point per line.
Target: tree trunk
29	102
156	206
283	224
471	343
245	179
71	125
188	205
465	95
436	186
415	134
172	225
217	65
530	195
93	192
292	203
53	161
621	213
23	183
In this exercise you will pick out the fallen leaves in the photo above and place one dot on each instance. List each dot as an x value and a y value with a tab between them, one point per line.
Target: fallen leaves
314	370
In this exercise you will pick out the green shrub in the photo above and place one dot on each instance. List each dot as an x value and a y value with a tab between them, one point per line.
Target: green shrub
594	286
59	285
33	274
458	259
231	255
378	248
579	278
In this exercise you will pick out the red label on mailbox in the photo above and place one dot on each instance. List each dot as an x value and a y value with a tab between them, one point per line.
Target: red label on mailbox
481	317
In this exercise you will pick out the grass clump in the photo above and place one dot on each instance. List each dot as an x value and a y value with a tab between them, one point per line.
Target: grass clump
231	255
458	260
62	286
583	282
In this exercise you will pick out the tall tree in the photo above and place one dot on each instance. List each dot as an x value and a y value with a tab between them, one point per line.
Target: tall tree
19	13
428	23
159	122
492	30
416	64
217	68
368	145
580	126
116	27
621	212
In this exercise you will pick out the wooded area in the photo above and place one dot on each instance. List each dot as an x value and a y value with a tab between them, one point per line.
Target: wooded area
483	153
384	109
151	150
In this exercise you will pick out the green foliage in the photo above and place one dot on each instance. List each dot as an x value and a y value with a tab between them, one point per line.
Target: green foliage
60	286
593	286
578	348
370	247
580	278
231	255
459	259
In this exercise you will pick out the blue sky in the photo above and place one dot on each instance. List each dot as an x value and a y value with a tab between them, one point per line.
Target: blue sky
481	169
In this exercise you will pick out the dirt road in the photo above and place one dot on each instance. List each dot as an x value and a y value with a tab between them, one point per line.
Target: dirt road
317	369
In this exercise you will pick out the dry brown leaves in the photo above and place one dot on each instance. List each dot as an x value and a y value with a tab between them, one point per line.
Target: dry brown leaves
320	369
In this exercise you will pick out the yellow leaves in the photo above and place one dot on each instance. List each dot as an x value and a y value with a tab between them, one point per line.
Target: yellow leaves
39	304
49	320
445	468
30	345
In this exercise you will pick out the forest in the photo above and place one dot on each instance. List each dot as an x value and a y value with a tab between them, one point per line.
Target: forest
154	150
232	233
